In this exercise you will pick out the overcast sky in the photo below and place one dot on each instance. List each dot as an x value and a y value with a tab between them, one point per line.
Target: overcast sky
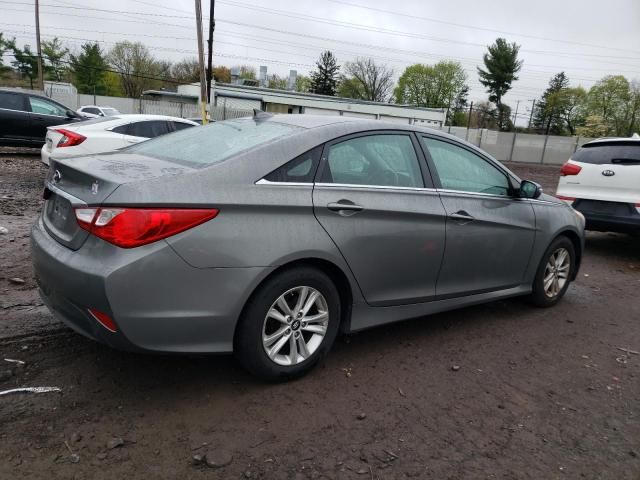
586	38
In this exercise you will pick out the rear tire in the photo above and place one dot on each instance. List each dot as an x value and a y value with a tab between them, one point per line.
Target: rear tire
554	273
289	324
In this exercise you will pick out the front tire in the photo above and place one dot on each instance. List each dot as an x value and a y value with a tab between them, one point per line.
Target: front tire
554	273
289	324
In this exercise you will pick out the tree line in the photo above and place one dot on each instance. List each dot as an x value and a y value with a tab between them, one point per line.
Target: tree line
610	107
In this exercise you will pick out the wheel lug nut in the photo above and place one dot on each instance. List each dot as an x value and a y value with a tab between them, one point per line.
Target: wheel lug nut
288	331
304	324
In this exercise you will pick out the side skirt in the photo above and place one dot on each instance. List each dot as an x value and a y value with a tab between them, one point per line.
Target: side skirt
364	316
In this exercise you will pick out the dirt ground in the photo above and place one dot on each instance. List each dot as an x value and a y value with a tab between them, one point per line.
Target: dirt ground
539	394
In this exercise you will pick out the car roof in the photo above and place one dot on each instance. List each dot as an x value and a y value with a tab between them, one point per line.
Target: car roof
613	141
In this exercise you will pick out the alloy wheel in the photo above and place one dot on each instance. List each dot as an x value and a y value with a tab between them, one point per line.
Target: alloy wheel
295	325
556	273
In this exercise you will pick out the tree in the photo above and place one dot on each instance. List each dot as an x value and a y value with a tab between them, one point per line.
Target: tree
276	81
247	72
222	74
501	66
434	86
574	107
186	71
550	108
366	80
138	70
303	83
25	62
610	99
460	105
4	46
594	127
89	68
324	80
54	54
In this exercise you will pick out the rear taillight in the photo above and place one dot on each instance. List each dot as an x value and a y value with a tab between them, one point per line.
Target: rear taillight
69	138
566	199
133	227
570	169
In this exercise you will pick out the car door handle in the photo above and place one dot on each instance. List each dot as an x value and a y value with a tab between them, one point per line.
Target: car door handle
461	216
344	206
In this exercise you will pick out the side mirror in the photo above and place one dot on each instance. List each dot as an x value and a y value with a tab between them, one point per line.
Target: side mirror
71	114
101	114
529	189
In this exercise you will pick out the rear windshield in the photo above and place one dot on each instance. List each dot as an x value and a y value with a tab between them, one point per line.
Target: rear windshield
609	153
203	146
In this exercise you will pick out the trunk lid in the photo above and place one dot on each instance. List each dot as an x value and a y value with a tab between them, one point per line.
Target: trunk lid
88	181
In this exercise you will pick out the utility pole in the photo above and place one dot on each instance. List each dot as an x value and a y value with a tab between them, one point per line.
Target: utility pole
466	136
203	79
212	27
39	48
533	107
515	116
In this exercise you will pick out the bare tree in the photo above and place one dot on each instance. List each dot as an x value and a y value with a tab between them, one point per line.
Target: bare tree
366	80
136	66
186	70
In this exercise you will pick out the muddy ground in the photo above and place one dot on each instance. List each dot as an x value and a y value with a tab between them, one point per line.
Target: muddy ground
539	394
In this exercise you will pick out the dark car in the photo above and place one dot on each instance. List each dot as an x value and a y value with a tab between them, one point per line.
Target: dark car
25	116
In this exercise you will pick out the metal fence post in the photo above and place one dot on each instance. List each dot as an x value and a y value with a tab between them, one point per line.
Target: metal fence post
479	137
466	135
575	148
140	106
513	146
181	110
544	148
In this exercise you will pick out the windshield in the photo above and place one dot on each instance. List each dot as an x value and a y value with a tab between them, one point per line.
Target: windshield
200	147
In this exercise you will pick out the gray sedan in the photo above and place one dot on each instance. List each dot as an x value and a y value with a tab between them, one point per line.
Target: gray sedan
268	236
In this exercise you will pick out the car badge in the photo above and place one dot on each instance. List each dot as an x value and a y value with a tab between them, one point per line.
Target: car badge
94	187
608	173
57	176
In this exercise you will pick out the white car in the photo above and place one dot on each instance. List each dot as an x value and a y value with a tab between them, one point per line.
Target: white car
602	181
94	111
105	134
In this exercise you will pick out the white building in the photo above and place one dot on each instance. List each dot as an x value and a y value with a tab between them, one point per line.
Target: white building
244	97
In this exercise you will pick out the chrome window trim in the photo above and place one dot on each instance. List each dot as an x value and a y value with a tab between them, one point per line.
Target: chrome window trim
12	110
264	181
474	194
375	187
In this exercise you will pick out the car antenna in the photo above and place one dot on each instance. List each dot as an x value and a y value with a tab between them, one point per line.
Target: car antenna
258	114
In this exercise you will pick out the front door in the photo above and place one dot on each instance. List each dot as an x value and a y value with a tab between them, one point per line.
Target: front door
490	234
370	197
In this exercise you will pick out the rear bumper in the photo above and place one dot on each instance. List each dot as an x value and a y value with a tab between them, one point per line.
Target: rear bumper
44	155
158	302
624	218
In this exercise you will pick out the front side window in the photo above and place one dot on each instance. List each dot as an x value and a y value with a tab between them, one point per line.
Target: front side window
94	111
376	160
460	169
40	105
301	169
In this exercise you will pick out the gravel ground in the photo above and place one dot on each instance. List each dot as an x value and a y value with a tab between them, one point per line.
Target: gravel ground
496	391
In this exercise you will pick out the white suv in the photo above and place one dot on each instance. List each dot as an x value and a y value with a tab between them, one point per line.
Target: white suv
602	181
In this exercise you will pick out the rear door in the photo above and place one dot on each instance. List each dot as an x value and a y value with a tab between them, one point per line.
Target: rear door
146	129
378	205
489	233
45	113
610	171
15	123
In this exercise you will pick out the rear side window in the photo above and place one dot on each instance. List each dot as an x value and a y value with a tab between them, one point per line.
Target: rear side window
609	153
148	129
301	169
200	147
177	126
40	105
375	160
11	101
95	111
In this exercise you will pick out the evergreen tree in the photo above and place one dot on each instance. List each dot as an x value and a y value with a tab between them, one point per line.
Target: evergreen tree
501	66
550	108
4	46
54	54
89	69
26	62
324	80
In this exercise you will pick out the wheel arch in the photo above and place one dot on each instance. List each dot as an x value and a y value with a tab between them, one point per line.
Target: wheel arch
575	239
333	271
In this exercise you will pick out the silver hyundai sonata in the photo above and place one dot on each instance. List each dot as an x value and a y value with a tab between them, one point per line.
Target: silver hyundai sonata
266	236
